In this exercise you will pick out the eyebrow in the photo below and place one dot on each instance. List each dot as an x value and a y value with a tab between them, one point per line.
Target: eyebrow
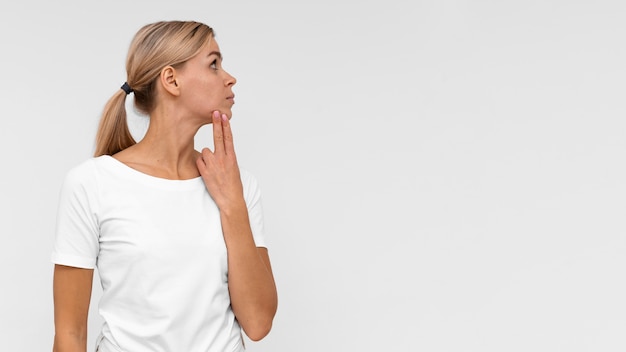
219	55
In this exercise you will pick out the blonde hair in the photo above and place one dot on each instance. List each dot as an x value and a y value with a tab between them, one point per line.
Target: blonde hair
154	47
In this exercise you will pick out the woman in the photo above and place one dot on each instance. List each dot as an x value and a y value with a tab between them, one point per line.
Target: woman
176	234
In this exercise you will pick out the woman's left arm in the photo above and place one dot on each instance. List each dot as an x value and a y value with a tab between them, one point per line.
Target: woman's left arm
250	280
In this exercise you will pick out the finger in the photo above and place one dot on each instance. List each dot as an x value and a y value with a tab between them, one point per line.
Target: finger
205	153
218	134
201	166
229	147
205	156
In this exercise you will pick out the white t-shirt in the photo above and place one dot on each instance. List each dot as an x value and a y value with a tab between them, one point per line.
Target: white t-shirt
160	253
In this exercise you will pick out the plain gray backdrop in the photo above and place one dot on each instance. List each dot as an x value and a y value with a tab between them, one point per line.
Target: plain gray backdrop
438	175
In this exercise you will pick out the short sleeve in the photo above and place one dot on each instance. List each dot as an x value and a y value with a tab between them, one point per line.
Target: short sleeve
76	241
252	196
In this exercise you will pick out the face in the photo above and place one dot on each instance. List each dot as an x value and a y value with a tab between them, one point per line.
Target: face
204	85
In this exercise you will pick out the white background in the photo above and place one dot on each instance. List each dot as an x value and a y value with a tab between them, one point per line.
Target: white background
437	175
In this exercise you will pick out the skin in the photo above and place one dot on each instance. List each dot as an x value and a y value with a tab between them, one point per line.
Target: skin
188	97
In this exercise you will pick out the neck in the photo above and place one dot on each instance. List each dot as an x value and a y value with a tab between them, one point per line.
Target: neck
167	149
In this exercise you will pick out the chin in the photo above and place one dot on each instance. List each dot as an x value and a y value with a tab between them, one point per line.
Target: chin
228	113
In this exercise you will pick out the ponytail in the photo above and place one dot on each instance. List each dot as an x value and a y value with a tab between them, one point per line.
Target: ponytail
113	134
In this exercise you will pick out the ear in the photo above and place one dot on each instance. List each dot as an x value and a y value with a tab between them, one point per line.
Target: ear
168	80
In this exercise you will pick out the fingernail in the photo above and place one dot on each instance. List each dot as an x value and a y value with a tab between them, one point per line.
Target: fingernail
224	117
216	114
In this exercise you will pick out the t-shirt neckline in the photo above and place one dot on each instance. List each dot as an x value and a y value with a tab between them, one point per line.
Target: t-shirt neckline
128	172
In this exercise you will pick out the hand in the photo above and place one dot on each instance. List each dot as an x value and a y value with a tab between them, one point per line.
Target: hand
219	168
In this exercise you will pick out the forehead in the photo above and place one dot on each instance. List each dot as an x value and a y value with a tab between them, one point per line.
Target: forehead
210	47
208	52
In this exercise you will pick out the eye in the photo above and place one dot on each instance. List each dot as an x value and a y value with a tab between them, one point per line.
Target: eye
214	65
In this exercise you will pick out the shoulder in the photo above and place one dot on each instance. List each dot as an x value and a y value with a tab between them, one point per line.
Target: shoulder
84	174
82	171
250	184
80	188
248	179
246	175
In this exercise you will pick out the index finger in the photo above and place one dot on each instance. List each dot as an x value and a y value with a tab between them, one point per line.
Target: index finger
218	135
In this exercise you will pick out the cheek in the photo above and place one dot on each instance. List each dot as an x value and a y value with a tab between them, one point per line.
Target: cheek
203	91
207	102
205	96
208	89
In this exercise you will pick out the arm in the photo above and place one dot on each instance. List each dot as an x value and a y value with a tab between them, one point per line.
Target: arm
72	293
250	279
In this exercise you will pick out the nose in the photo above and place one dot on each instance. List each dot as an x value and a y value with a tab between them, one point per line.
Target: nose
230	80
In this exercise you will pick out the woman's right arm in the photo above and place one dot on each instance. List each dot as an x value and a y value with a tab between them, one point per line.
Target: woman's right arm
72	293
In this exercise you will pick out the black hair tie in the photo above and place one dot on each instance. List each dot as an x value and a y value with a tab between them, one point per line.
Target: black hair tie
126	88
